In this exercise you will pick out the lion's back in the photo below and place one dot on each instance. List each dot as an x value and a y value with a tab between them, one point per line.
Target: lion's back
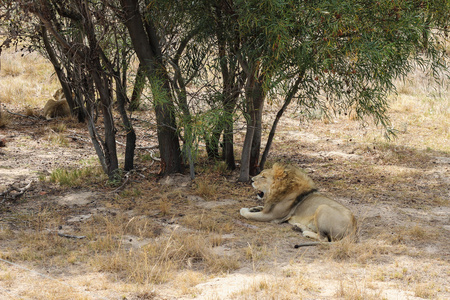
56	108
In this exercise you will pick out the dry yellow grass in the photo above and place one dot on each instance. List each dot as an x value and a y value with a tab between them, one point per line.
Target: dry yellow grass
422	106
26	79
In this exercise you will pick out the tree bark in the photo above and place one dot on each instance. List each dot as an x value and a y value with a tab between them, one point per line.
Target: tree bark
256	142
109	146
244	174
286	103
147	49
255	97
130	133
228	135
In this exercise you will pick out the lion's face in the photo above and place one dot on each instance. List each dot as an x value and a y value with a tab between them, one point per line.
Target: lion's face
275	183
263	182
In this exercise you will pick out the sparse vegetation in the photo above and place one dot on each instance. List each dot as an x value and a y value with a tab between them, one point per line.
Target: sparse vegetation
207	188
4	120
77	177
58	139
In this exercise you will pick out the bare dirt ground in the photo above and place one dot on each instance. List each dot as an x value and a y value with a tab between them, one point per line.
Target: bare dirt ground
73	235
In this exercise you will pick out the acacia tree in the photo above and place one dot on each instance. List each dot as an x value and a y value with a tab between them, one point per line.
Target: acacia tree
232	77
317	54
181	37
327	54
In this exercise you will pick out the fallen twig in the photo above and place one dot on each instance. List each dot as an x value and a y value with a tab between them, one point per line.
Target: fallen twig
24	116
245	224
76	136
127	178
19	191
79	237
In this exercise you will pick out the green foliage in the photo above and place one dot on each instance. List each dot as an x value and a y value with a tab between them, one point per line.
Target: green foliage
329	56
347	52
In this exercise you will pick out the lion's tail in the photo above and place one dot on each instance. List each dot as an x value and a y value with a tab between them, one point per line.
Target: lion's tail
310	244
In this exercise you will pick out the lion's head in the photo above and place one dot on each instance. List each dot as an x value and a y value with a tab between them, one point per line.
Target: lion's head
274	184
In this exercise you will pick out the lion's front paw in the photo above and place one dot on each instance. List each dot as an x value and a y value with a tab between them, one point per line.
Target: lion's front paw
256	209
244	212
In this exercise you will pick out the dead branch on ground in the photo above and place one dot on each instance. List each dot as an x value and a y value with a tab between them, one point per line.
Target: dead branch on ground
20	115
79	237
20	191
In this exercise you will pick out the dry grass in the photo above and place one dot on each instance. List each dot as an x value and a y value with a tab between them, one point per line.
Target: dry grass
272	289
362	252
57	139
159	262
207	188
356	291
426	291
421	107
25	76
106	248
4	119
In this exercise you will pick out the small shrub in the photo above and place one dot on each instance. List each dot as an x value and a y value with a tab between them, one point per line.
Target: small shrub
60	127
426	291
29	112
77	177
58	139
165	205
4	120
206	189
221	167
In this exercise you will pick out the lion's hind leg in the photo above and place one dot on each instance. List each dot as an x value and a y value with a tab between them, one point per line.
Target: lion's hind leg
332	223
307	232
313	235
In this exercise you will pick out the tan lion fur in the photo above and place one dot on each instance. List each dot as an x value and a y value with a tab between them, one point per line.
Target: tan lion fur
57	107
59	95
290	195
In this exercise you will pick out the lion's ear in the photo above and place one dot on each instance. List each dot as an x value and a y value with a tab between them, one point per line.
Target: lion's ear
277	166
279	172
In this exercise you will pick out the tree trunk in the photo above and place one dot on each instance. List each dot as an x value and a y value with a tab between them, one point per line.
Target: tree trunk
131	135
228	145
109	146
255	96
147	49
286	103
231	78
244	175
256	143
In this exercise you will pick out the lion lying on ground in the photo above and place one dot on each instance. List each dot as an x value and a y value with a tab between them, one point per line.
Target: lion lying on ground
57	107
291	196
